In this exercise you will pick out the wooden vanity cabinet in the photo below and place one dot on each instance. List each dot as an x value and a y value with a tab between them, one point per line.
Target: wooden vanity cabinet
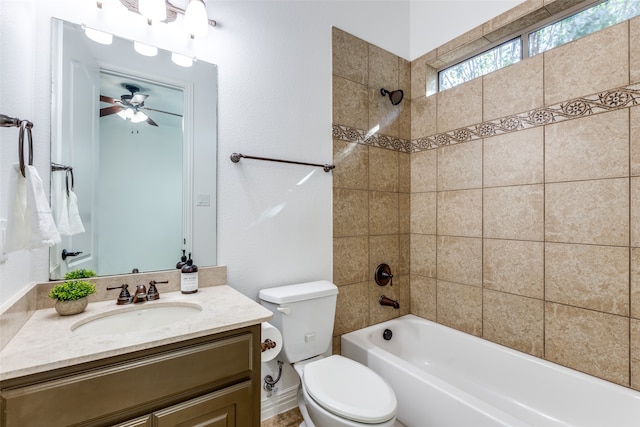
225	408
210	381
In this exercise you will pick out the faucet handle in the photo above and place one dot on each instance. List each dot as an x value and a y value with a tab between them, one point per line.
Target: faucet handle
152	293
125	296
383	275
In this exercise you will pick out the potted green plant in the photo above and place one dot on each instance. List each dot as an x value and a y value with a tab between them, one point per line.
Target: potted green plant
71	296
80	273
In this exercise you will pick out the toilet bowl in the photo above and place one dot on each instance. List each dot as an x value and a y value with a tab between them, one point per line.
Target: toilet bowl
339	392
334	391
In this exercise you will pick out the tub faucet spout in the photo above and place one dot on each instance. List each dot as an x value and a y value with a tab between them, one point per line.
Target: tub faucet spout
383	300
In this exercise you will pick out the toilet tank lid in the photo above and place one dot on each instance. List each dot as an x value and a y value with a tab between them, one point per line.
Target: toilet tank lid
298	292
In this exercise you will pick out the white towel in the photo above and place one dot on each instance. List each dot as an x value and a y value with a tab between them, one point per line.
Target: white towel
17	235
67	215
30	223
43	228
60	204
75	222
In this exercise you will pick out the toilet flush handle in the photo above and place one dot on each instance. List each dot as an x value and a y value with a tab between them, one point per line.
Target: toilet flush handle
284	310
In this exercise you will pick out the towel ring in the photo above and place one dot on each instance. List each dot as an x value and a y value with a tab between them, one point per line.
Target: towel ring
69	172
25	125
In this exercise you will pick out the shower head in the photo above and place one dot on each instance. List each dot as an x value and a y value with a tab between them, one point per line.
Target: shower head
395	96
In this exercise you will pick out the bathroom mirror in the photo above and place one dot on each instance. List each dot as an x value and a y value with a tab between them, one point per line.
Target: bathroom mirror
133	139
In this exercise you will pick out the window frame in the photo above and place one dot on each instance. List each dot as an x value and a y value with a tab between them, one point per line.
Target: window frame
485	49
523	36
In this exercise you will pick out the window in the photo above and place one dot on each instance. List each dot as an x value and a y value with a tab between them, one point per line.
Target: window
479	65
596	17
588	21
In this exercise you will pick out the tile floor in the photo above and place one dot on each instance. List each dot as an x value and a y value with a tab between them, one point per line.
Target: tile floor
291	418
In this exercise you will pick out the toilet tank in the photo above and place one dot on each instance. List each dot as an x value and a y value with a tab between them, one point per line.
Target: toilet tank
304	314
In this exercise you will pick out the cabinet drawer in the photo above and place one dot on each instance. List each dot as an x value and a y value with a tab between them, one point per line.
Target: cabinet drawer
133	388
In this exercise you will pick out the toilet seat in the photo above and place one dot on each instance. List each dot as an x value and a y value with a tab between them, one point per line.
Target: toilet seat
349	389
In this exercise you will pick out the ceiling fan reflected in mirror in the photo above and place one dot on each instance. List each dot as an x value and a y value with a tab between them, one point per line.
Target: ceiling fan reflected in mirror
129	106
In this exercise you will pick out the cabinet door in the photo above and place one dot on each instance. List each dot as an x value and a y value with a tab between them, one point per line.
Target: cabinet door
169	377
230	407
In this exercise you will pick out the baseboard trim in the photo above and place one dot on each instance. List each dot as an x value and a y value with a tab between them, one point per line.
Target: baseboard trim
281	401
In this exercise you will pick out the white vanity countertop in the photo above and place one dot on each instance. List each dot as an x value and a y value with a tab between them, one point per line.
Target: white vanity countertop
47	342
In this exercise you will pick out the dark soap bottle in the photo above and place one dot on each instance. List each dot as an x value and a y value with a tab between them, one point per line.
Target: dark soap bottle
182	261
189	277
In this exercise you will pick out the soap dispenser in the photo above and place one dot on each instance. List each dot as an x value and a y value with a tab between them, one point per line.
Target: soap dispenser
183	260
189	277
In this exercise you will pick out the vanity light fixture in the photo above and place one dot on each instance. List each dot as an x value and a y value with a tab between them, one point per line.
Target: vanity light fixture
181	60
153	10
196	21
145	49
98	36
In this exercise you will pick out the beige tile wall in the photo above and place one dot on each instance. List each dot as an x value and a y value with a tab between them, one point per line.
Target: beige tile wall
371	196
529	235
536	238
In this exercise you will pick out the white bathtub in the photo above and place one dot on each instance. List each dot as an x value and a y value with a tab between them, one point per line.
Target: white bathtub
443	377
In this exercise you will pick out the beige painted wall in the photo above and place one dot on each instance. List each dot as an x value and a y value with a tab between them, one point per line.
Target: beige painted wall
515	215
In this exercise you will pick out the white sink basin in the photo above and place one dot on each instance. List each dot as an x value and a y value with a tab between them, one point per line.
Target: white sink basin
138	318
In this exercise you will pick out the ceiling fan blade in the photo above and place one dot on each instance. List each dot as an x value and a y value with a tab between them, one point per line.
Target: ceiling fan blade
138	99
151	122
161	111
110	110
108	100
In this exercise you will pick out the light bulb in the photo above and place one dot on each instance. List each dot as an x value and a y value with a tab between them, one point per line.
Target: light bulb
181	60
154	10
126	114
145	49
138	117
196	21
98	36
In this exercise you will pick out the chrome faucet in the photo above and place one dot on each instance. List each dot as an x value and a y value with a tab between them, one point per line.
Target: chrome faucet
383	300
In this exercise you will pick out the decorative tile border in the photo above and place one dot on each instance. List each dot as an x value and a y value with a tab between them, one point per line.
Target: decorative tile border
602	102
614	99
349	134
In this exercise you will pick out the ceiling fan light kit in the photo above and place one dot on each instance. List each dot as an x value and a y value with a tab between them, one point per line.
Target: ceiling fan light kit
133	116
129	106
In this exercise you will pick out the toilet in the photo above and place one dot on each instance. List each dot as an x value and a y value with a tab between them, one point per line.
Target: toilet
334	391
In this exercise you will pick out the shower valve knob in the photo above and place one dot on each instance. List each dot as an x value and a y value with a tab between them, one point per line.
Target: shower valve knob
383	275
